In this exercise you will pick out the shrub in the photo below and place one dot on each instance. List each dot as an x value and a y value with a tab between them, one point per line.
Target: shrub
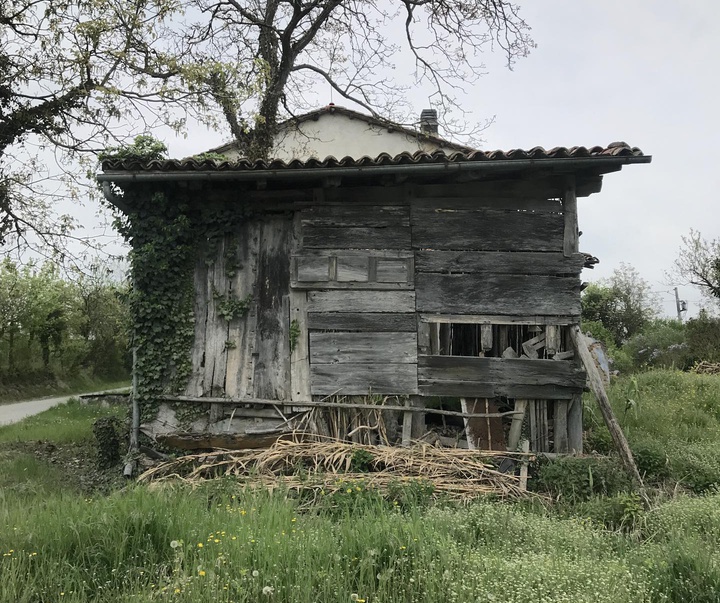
622	511
576	479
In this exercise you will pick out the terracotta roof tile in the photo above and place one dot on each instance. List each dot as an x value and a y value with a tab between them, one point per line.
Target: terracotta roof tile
615	149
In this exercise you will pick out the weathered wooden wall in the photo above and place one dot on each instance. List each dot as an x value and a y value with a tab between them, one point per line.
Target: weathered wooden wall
362	290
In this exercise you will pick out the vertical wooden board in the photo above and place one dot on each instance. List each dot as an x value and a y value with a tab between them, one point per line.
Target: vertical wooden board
272	348
575	429
195	382
241	332
300	354
217	326
352	269
561	426
570	229
489	432
423	331
516	425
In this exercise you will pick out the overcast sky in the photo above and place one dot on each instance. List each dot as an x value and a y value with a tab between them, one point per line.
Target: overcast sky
645	72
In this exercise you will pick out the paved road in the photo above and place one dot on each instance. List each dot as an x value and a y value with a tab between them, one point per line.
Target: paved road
12	413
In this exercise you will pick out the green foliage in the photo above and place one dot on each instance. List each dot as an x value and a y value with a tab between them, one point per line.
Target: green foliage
53	328
163	253
661	344
144	147
231	308
575	479
620	511
294	334
623	304
703	338
210	156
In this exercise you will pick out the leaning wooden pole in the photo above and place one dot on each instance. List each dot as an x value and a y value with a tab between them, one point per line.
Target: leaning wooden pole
598	389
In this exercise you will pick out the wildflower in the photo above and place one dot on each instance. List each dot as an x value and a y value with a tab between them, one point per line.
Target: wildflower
177	590
200	545
174	544
201	572
268	590
354	597
349	490
255	573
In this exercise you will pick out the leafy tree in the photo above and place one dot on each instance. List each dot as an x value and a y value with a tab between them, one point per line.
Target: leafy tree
703	337
258	59
78	75
70	80
623	304
698	263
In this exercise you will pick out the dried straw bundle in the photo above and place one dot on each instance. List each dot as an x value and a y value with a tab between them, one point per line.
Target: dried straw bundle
458	474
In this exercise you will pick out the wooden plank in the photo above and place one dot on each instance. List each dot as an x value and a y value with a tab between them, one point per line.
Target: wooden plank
392	271
300	348
368	286
497	319
362	321
423	331
535	188
486	230
496	202
469	432
596	384
361	301
195	385
552	339
543	437
356	215
493	377
499	262
357	253
272	350
486	338
242	330
366	195
216	332
328	379
560	430
311	269
352	269
570	227
355	237
516	425
363	348
518	370
575	427
407	426
497	294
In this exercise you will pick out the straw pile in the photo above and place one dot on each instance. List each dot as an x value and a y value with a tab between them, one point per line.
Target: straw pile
330	466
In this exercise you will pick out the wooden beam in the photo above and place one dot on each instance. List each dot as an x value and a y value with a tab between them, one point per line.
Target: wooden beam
575	428
570	231
597	387
516	425
561	426
314	404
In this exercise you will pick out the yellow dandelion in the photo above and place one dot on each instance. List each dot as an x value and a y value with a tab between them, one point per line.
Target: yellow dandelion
200	545
201	572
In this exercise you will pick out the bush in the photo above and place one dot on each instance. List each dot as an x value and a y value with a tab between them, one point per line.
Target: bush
576	479
703	338
623	511
661	344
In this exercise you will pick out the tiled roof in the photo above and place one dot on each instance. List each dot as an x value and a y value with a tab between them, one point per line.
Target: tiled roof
613	150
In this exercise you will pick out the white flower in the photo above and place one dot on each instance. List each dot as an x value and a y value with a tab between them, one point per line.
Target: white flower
255	573
268	590
174	544
354	597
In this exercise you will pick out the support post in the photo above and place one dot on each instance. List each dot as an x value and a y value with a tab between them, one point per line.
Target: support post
598	389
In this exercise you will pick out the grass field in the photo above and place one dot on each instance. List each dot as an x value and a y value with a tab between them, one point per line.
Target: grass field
65	539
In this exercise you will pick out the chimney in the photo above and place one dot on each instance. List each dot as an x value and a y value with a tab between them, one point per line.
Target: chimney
429	122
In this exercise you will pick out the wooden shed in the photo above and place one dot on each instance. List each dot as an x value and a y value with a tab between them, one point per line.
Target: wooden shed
435	282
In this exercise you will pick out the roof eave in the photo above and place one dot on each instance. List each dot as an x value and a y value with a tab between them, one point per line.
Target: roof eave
599	165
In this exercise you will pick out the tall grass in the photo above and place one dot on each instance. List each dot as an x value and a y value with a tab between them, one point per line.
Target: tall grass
71	422
221	543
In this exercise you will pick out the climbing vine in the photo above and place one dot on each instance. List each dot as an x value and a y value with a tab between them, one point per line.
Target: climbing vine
168	236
